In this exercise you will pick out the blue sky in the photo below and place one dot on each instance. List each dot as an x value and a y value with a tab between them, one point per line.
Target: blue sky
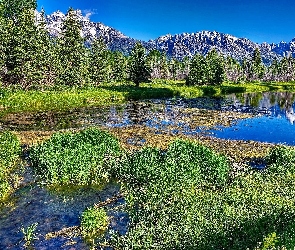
259	20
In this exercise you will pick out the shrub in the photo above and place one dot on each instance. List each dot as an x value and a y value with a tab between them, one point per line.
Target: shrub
183	162
81	158
9	153
281	159
94	222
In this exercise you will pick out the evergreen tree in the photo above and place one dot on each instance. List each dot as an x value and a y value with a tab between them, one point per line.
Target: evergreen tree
154	60
214	68
138	68
98	62
174	68
257	67
46	58
198	72
22	43
119	66
73	57
4	39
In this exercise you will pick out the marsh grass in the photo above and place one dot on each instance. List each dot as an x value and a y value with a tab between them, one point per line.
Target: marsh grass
63	98
75	158
9	155
29	235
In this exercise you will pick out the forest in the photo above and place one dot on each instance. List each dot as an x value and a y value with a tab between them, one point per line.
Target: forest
30	58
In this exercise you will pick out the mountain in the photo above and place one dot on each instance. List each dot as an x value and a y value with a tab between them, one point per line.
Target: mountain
177	46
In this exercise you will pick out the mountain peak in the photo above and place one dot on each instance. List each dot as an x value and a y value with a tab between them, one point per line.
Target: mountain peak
179	45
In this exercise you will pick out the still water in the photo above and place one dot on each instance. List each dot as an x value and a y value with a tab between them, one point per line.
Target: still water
274	120
264	117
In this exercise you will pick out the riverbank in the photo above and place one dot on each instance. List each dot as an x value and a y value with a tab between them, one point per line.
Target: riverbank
65	98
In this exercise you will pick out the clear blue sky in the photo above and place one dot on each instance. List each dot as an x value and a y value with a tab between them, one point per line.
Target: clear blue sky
258	20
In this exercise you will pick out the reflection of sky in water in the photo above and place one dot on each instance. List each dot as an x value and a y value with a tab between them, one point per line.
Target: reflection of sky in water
273	121
263	128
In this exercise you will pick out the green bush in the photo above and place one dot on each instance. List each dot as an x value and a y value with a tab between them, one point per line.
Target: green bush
9	153
181	199
75	158
183	162
94	222
281	159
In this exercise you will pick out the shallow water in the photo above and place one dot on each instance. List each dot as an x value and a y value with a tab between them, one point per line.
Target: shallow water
271	117
267	117
54	211
274	122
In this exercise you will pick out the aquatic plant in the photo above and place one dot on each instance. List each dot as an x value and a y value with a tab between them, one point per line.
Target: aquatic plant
29	234
281	159
65	98
180	199
75	158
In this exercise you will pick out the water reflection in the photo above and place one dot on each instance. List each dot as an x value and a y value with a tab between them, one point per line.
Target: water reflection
224	117
273	123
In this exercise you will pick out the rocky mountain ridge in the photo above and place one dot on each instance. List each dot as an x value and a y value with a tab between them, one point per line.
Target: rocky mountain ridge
177	46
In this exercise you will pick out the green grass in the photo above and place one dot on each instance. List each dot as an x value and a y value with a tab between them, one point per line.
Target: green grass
75	159
65	98
179	198
9	155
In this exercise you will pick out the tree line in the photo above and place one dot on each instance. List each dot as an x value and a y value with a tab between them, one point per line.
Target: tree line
31	58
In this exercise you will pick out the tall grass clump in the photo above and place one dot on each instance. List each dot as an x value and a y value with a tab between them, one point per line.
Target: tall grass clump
180	199
9	153
75	158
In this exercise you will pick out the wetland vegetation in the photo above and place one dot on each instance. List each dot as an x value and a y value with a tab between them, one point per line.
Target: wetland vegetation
110	151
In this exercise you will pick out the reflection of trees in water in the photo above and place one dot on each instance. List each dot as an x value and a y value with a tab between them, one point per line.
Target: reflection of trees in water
284	100
267	100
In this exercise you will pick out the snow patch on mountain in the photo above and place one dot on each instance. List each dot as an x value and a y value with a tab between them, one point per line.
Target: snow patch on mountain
179	45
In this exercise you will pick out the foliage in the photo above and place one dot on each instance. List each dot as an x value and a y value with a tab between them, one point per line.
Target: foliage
80	159
206	70
281	159
94	222
138	69
72	52
61	98
29	234
174	203
9	153
98	62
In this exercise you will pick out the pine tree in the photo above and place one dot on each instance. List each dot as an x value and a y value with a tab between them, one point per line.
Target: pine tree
46	58
119	66
138	68
214	68
4	35
257	67
98	62
154	60
73	57
198	72
22	44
